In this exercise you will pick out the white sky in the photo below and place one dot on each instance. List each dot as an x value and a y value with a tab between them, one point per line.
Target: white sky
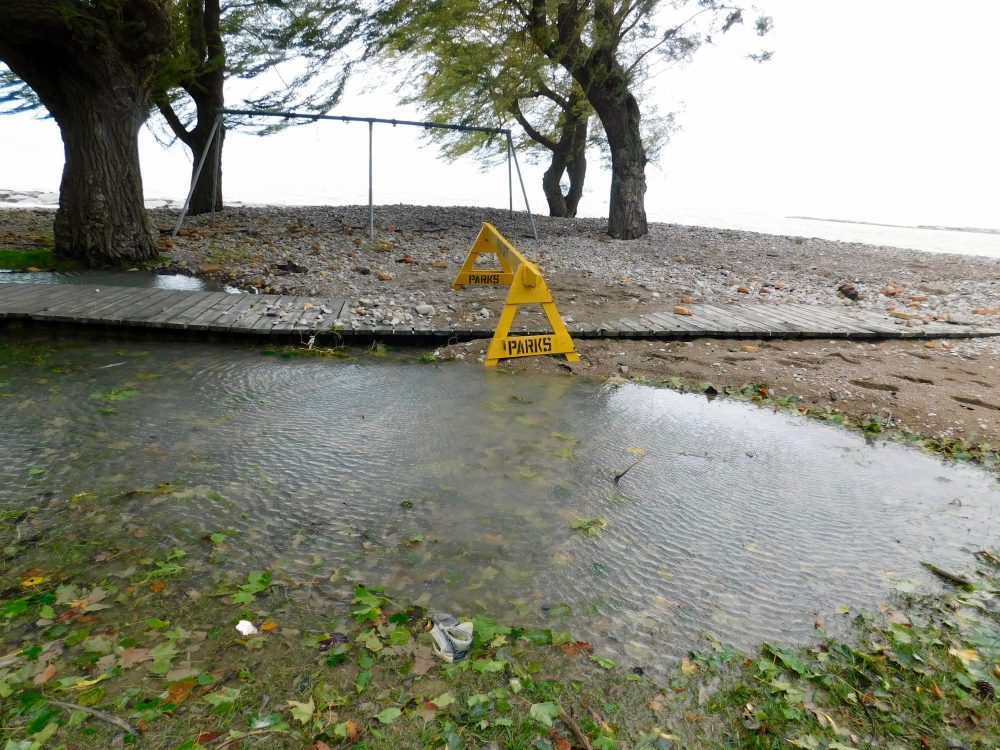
872	110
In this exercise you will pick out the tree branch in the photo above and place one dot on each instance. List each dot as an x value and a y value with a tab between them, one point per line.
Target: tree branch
533	134
174	122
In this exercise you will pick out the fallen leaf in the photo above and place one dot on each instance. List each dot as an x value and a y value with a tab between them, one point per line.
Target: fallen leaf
577	648
269	625
938	692
302	712
320	745
965	655
33	581
180	691
205	737
561	743
423	662
656	703
688	667
353	730
44	676
158	586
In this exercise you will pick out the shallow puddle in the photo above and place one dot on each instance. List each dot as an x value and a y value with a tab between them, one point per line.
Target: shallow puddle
459	488
144	279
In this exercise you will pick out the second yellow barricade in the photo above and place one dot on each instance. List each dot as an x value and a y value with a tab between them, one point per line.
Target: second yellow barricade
526	287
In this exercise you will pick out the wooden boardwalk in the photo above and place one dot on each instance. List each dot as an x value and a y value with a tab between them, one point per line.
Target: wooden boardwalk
269	315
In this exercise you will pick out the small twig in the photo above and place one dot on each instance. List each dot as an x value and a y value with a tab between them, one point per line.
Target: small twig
989	557
230	740
17	656
954	578
568	720
618	477
111	719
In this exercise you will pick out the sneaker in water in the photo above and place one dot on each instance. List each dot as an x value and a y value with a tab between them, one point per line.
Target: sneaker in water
452	639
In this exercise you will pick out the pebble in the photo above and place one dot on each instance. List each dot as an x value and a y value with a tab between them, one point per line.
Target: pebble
425	309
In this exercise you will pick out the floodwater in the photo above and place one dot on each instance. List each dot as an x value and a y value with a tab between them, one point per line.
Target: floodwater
457	488
145	279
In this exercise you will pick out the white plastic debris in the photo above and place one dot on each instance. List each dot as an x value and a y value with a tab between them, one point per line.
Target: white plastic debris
245	627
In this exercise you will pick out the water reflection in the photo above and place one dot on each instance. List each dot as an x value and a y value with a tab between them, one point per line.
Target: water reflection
145	279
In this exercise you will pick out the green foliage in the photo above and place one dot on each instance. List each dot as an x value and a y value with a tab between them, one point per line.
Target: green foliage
305	38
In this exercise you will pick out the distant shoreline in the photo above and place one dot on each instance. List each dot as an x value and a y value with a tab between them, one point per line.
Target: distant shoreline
929	239
930	227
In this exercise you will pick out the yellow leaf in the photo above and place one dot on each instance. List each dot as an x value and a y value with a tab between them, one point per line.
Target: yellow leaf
269	625
965	655
33	581
688	668
637	451
84	684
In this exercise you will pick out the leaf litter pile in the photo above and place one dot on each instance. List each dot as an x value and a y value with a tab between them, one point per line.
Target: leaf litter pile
113	634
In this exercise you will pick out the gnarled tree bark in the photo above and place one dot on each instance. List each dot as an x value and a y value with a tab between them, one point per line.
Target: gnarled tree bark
92	66
204	84
560	31
569	153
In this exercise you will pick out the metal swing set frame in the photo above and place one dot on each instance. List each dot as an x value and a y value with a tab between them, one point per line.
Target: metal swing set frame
512	162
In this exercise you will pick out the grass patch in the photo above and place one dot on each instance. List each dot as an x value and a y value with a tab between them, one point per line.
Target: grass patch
102	636
23	259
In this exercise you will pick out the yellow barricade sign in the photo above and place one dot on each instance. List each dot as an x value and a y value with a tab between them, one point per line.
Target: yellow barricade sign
526	287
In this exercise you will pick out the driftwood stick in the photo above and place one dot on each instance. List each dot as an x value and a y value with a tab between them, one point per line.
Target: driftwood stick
989	557
954	578
110	718
568	720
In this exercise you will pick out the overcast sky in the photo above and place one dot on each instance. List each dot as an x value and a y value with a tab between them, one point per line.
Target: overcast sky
873	111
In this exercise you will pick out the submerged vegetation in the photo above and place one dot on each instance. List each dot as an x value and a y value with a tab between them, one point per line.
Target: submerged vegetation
134	639
117	630
955	448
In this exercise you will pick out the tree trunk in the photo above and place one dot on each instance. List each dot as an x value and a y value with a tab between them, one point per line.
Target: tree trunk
207	195
551	185
619	113
569	156
91	65
576	168
205	87
101	219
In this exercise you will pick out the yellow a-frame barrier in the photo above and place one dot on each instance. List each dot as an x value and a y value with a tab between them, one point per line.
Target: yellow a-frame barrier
526	287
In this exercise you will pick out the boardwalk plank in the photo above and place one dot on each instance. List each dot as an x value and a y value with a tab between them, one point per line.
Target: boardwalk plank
849	325
225	321
732	320
681	323
78	307
163	319
11	293
55	294
141	305
689	323
245	313
259	309
213	313
86	310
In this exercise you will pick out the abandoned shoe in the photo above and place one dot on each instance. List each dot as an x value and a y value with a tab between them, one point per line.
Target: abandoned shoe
452	639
